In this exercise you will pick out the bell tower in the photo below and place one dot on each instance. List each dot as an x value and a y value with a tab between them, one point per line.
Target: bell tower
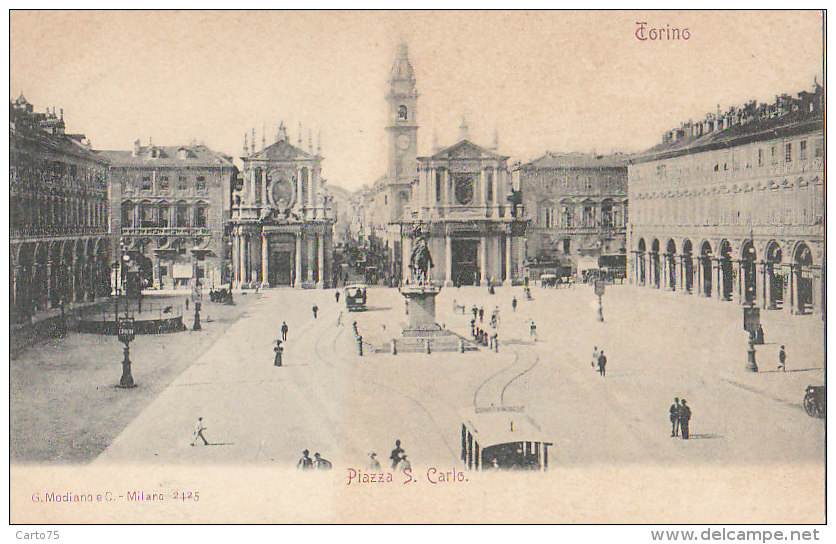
402	128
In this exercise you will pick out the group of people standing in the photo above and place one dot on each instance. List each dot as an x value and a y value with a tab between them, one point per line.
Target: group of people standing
489	338
680	415
398	458
317	463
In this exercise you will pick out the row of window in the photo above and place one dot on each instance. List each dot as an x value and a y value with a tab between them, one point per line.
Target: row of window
750	208
27	212
29	170
565	217
163	184
792	155
580	183
164	216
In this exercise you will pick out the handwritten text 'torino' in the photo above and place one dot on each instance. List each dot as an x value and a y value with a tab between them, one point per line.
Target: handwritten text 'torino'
656	34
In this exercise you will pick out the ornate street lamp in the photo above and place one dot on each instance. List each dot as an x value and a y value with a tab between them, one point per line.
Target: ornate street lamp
125	333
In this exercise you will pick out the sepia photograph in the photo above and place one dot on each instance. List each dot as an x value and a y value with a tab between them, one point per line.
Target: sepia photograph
417	267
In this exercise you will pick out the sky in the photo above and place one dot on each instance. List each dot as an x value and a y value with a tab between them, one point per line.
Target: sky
545	81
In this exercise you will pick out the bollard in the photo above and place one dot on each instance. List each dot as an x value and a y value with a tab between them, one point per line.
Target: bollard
394	347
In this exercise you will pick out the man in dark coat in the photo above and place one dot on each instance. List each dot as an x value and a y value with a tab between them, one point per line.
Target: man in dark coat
674	410
284	331
395	456
602	364
684	418
315	309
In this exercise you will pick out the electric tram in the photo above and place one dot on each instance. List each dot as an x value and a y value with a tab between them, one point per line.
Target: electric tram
503	439
355	298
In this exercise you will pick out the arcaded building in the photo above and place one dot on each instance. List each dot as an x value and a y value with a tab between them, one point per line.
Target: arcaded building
58	214
167	212
281	225
732	207
577	207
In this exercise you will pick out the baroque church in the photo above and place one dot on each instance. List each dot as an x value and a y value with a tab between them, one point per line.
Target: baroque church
457	199
281	223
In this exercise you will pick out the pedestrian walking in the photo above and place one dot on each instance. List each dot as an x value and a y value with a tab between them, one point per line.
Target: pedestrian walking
532	330
595	355
674	411
277	358
198	432
514	304
305	463
782	359
481	314
473	327
395	456
320	463
602	364
475	311
337	296
495	340
315	309
284	331
374	464
684	419
187	303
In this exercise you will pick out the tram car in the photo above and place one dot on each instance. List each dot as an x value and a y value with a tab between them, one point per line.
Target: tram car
355	298
503	439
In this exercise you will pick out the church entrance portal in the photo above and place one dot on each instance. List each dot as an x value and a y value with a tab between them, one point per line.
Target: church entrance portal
281	267
465	267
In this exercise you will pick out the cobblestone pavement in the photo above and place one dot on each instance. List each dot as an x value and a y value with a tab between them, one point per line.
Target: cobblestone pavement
328	399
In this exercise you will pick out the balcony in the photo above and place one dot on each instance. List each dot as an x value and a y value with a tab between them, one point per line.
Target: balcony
165	231
57	230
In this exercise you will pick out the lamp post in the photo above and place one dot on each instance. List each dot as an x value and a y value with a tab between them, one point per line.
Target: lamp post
126	335
196	295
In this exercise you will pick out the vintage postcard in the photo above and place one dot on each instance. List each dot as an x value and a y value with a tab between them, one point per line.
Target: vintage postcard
284	267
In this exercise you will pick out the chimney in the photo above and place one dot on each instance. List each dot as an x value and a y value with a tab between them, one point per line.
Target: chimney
136	148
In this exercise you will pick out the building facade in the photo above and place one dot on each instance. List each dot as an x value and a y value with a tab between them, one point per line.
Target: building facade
460	206
732	207
58	199
281	225
577	207
168	209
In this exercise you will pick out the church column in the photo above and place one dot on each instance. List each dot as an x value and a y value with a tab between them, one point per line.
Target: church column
497	266
762	301
265	260
719	275
483	193
309	270
508	262
496	199
320	260
245	257
740	284
483	260
448	259
789	290
445	179
297	279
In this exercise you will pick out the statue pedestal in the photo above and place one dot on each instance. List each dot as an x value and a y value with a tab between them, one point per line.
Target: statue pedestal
422	333
420	306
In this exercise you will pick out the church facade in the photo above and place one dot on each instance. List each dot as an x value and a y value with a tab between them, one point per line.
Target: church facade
460	207
281	225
